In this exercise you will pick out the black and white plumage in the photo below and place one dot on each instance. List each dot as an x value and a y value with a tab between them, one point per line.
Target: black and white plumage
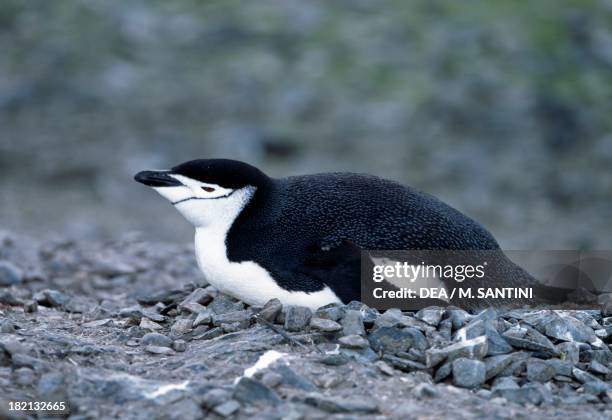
299	238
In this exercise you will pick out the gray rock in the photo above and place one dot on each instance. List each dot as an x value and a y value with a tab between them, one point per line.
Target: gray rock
200	296
496	344
289	378
333	359
156	339
242	317
184	408
445	329
394	340
98	323
333	312
338	404
443	371
494	365
404	364
596	387
528	394
474	348
215	397
118	387
166	351
251	391
504	382
270	310
9	274
223	303
152	315
352	323
539	371
203	318
413	354
8	298
569	352
468	373
361	355
30	306
390	318
147	324
227	408
583	377
271	379
567	328
561	367
384	368
603	356
10	345
458	317
192	308
7	326
354	342
369	316
518	365
136	312
208	334
425	390
525	337
325	325
597	367
165	296
50	297
297	318
431	315
179	345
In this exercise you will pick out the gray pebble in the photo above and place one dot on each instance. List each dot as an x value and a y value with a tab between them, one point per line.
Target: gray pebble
203	318
539	371
251	391
270	310
425	390
468	373
271	379
159	350
325	325
352	323
228	408
431	315
50	297
333	311
354	342
297	318
9	274
179	345
215	397
156	339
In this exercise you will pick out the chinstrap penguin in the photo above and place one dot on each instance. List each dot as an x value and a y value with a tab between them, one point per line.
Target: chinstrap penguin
299	238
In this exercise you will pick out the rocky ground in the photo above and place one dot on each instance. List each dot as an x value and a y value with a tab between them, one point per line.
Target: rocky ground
129	329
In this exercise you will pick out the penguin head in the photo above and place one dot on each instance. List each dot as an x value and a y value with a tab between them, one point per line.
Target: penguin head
207	192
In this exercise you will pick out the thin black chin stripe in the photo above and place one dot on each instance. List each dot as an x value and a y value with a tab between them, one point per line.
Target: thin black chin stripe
203	198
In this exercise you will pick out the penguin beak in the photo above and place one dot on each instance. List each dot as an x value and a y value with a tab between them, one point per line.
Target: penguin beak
156	179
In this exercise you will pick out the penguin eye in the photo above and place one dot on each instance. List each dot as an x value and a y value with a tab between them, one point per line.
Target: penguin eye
208	189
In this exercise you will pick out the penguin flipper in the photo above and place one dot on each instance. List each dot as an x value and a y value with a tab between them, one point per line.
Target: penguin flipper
337	264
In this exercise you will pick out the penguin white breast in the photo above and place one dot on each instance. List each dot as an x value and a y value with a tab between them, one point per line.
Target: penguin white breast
245	280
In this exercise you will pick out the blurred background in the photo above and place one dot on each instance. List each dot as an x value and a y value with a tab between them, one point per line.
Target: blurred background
503	109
